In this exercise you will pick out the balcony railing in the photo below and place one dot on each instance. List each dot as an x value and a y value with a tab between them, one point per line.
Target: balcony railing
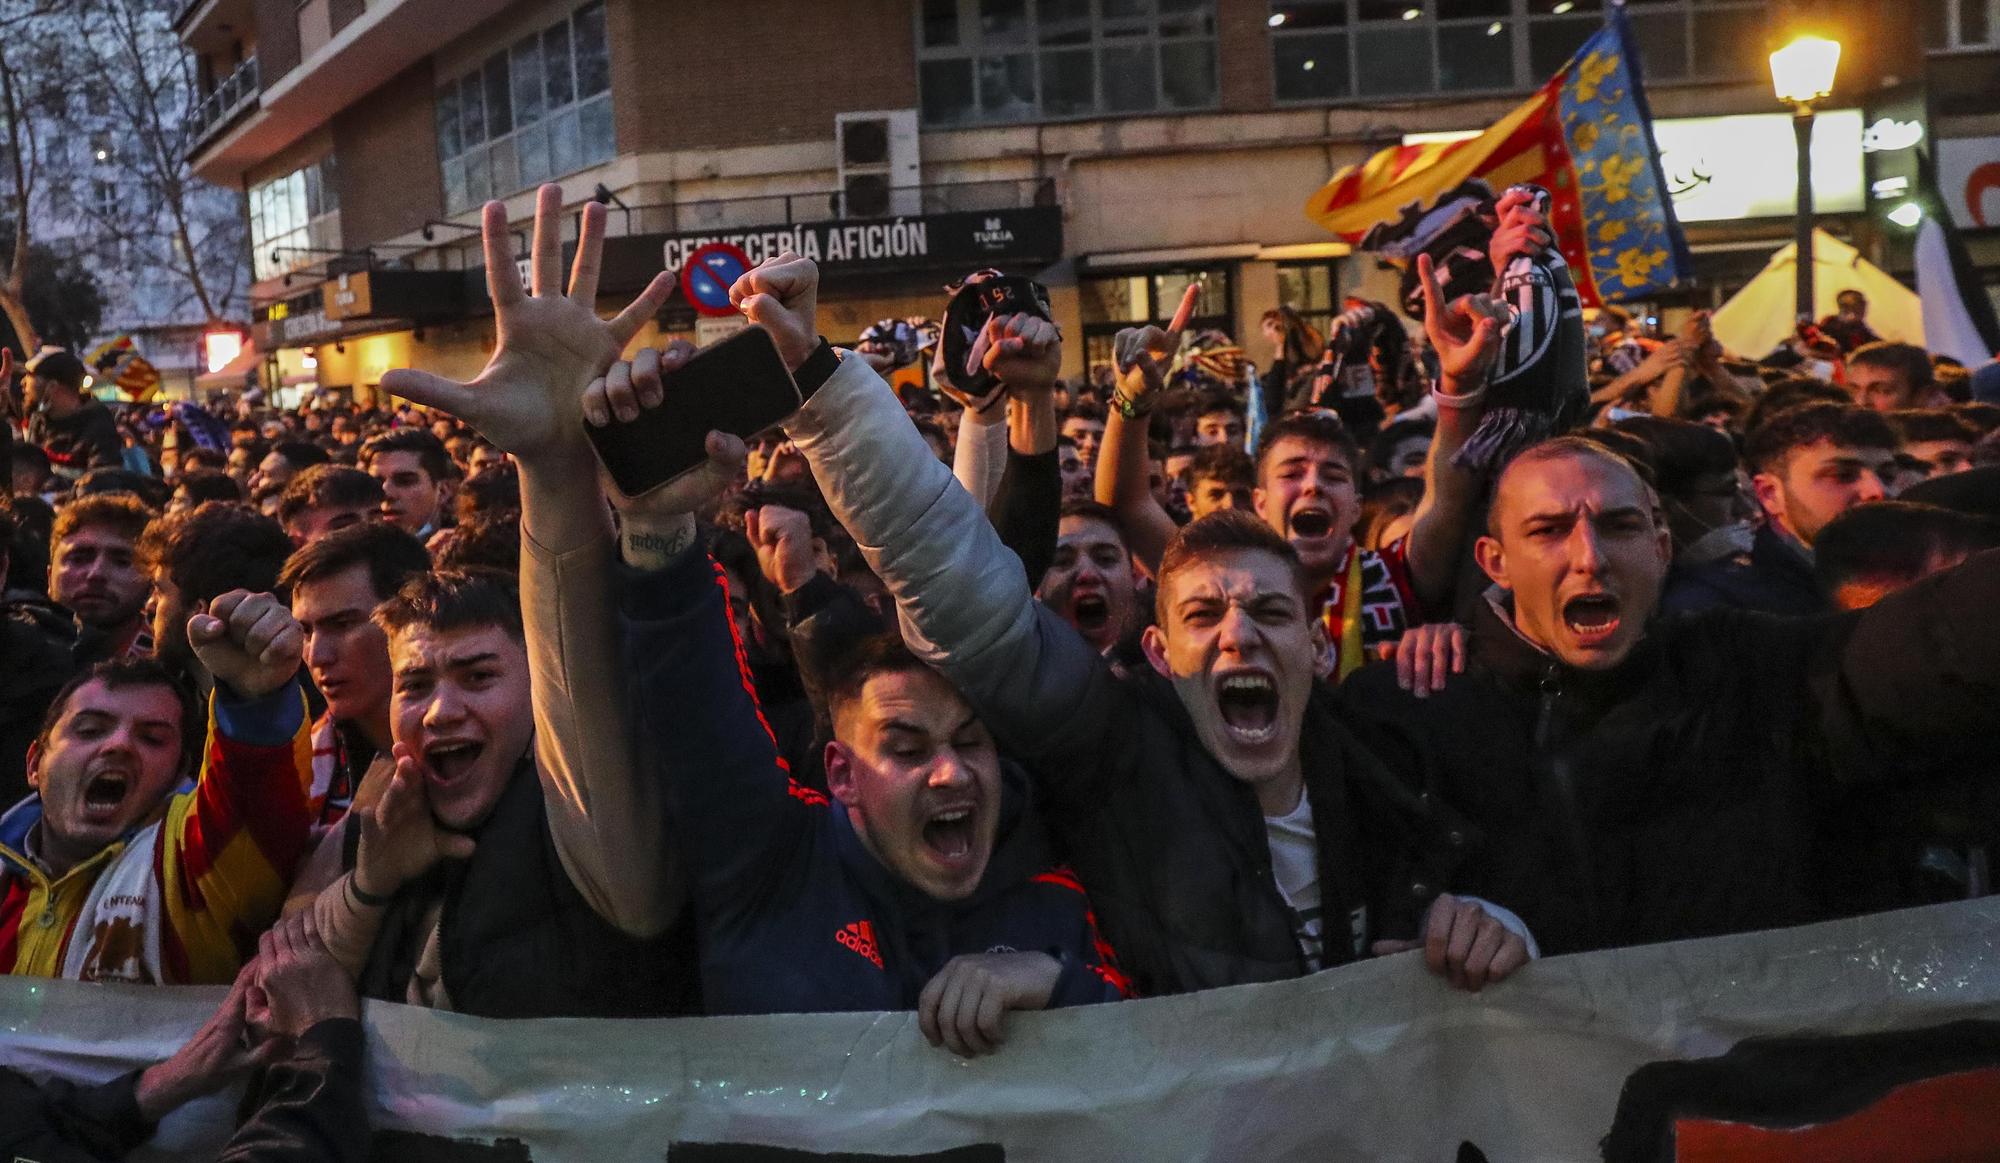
234	96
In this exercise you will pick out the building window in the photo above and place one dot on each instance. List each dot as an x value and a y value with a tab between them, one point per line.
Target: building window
1349	50
534	111
1312	289
1960	24
1114	302
104	198
1000	61
294	220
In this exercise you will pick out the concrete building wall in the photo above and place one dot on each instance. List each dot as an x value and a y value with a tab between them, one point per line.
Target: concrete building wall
386	149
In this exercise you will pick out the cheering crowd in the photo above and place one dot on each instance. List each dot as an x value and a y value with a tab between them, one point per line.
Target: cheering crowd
1495	635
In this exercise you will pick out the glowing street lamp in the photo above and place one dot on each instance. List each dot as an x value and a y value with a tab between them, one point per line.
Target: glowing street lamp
1802	73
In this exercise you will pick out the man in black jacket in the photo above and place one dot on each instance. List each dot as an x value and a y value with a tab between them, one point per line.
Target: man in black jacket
1631	778
77	432
1228	826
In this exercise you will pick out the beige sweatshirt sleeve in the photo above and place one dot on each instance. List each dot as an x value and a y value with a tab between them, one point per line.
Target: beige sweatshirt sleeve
608	820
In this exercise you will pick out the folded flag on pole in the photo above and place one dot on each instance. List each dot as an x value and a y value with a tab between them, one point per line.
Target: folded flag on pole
119	361
1586	136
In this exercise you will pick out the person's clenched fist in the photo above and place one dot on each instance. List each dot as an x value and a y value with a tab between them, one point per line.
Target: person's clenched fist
249	641
781	295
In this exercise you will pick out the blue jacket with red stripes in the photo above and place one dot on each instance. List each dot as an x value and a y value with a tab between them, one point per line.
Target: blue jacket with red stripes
795	915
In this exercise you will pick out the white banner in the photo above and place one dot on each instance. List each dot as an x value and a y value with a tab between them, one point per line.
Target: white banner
1373	1061
1969	180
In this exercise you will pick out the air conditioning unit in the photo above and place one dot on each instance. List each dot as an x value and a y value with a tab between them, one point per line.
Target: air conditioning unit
876	156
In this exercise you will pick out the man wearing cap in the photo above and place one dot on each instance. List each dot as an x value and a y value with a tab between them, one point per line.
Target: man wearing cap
78	433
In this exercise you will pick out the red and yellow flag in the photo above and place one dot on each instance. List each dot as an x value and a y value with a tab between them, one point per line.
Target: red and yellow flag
1586	136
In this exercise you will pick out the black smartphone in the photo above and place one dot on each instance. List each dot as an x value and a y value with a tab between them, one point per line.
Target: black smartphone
739	385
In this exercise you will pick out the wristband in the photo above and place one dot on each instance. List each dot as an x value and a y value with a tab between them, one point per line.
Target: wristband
1130	408
816	370
364	896
1461	400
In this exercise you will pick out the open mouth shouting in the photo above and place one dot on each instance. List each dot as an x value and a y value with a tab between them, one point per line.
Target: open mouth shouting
1091	612
1248	703
105	793
950	834
1311	522
450	760
1592	619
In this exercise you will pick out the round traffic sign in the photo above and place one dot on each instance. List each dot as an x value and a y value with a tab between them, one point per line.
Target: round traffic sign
709	273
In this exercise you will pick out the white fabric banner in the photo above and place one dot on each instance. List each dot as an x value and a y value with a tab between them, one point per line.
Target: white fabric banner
1378	1060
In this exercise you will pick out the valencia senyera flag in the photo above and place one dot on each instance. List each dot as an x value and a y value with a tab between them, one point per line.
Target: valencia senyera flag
1586	136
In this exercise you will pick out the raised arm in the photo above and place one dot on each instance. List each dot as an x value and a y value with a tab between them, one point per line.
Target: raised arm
1466	336
602	815
962	596
232	846
1141	355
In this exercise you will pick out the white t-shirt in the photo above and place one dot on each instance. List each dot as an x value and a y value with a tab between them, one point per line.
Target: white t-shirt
1295	866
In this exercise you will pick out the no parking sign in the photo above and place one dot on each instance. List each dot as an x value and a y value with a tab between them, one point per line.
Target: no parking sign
709	273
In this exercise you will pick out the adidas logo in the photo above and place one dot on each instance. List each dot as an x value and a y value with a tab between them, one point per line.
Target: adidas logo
860	937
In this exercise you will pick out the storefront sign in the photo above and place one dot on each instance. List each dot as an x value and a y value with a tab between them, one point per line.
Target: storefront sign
391	294
1722	169
1969	180
969	239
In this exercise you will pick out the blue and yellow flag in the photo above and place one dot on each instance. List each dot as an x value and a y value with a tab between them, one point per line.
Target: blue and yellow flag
1586	136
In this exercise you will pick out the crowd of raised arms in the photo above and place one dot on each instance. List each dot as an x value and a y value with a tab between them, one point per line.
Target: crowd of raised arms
989	692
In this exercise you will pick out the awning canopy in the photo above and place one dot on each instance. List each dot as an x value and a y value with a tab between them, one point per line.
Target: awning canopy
1760	316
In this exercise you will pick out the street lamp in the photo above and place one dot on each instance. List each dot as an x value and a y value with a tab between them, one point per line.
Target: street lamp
1802	73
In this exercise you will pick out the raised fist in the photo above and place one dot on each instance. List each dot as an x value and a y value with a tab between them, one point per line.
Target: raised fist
249	641
781	295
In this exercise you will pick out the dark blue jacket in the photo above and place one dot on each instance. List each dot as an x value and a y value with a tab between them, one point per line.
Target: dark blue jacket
1776	579
794	914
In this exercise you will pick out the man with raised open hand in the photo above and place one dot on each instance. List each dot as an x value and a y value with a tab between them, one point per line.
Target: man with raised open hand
601	937
1229	828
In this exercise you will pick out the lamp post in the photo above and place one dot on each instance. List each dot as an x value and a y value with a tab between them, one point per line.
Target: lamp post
1802	73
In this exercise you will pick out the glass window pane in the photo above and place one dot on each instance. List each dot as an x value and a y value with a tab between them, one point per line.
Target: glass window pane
295	202
447	111
1129	84
1388	9
531	147
593	59
1114	300
1552	42
1973	26
478	182
1468	9
940	23
565	143
1394	59
1311	67
471	111
1003	21
1173	7
1069	86
1007	88
329	182
1475	56
557	82
1213	299
454	185
527	66
498	118
1187	73
1127	9
504	173
1063	21
599	140
311	174
1663	44
1730	44
946	91
1559	7
1316	14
